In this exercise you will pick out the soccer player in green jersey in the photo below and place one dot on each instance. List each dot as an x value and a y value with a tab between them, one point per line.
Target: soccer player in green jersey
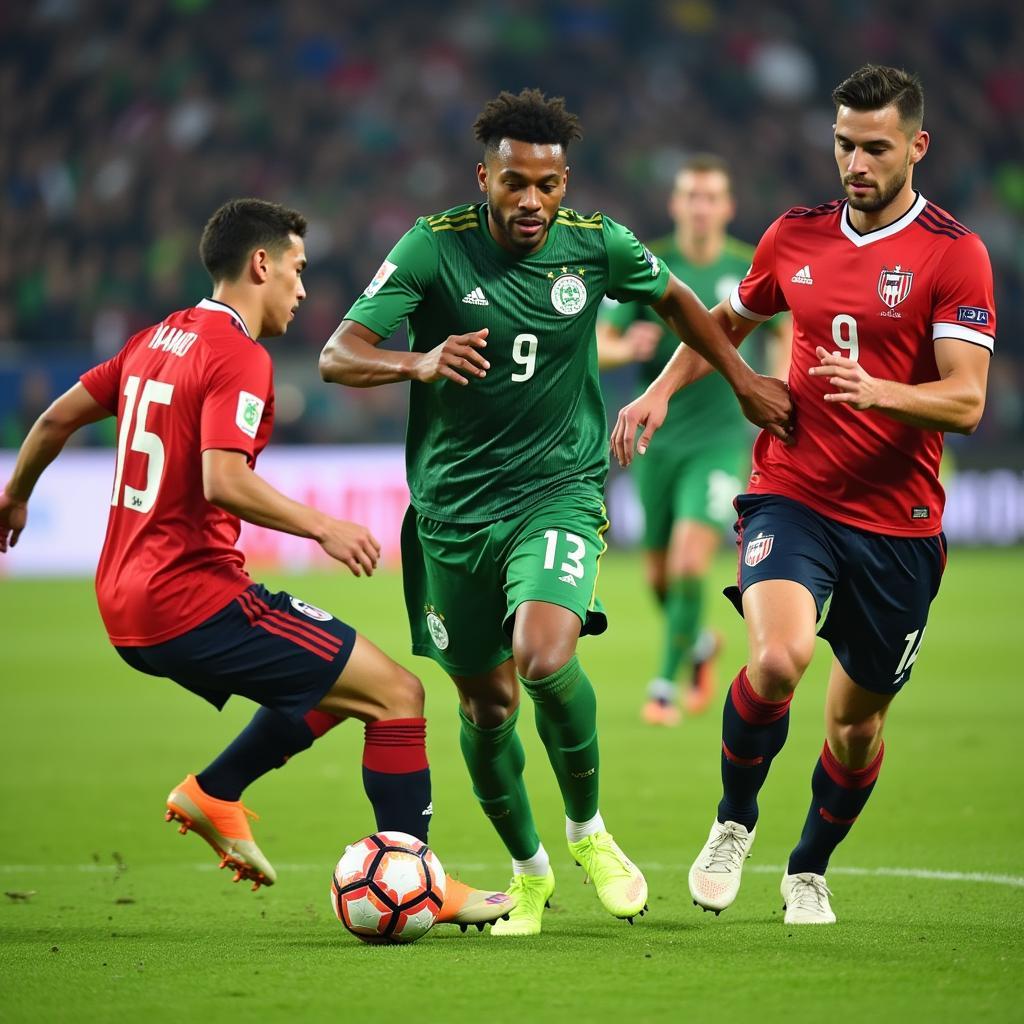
507	457
690	476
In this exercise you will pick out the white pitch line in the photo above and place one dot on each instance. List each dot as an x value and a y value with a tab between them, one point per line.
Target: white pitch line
926	874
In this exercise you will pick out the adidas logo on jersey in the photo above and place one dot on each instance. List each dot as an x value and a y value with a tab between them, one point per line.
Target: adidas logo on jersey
803	276
476	298
571	580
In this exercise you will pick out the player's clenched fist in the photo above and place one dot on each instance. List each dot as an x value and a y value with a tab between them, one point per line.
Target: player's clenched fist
351	544
769	405
458	354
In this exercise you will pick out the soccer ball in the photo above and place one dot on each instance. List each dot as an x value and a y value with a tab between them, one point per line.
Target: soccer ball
388	888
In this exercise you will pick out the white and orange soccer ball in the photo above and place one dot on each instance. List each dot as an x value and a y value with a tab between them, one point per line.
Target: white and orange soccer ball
388	888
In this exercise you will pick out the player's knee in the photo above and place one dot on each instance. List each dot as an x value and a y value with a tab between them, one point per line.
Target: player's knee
775	669
539	663
401	696
853	742
489	712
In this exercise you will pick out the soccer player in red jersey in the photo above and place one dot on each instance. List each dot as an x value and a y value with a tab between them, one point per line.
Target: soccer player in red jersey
194	399
894	322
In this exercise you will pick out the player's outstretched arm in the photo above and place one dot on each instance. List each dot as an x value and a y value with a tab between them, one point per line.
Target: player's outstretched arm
230	484
352	357
765	401
952	403
709	342
45	441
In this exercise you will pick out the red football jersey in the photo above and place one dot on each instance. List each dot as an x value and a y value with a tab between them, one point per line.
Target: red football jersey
881	298
196	380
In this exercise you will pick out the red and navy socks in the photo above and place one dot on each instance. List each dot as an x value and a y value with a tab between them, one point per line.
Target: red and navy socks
396	775
754	730
838	795
266	742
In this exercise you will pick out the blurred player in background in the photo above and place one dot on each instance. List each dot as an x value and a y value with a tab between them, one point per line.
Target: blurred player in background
693	470
507	459
194	400
894	325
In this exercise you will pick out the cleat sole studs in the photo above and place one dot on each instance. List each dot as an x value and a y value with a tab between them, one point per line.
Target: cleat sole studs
462	928
504	917
547	906
479	926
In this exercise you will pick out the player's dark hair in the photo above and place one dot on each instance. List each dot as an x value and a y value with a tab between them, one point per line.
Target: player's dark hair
240	227
873	87
529	117
705	163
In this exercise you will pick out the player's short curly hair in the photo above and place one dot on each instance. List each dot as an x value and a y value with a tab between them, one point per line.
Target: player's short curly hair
240	227
873	87
529	117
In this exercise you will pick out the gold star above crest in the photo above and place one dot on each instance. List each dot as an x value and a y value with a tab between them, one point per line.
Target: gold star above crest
565	270
581	271
551	274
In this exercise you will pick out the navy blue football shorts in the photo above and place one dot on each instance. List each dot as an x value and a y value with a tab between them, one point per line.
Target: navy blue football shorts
272	648
880	586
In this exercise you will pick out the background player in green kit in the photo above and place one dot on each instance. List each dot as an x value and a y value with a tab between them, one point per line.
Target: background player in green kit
507	455
689	478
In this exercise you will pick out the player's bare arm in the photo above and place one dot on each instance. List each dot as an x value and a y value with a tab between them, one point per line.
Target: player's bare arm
953	403
352	356
769	398
230	484
636	344
73	410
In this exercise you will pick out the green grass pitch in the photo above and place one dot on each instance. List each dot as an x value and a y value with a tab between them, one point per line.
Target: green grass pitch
129	921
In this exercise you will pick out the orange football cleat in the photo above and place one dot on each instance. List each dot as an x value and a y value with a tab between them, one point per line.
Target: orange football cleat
702	685
223	824
657	712
464	905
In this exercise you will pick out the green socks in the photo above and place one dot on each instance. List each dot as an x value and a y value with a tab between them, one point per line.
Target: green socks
566	710
495	759
683	607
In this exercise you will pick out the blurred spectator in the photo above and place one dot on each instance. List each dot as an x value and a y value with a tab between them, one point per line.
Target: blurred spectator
122	126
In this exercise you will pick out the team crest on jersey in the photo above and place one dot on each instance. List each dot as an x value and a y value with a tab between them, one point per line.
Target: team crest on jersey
311	611
387	268
894	285
249	413
568	294
652	261
759	549
436	626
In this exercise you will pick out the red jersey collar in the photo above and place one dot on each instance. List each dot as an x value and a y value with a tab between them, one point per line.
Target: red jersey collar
222	307
888	231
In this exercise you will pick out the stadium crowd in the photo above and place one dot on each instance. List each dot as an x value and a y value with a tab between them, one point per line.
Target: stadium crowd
123	125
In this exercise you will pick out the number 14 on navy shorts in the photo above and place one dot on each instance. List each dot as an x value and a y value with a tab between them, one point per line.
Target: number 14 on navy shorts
880	586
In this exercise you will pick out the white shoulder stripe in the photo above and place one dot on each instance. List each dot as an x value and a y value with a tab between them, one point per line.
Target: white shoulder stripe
747	314
943	330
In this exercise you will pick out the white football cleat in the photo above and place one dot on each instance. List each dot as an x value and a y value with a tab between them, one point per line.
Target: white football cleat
715	875
805	899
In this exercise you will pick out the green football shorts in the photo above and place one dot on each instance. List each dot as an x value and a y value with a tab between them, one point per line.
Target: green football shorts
698	486
464	581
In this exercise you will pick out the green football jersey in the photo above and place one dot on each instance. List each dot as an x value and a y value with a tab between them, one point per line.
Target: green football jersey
707	409
535	425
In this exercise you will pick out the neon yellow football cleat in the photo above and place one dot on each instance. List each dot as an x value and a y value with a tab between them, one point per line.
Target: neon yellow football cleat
532	894
621	886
